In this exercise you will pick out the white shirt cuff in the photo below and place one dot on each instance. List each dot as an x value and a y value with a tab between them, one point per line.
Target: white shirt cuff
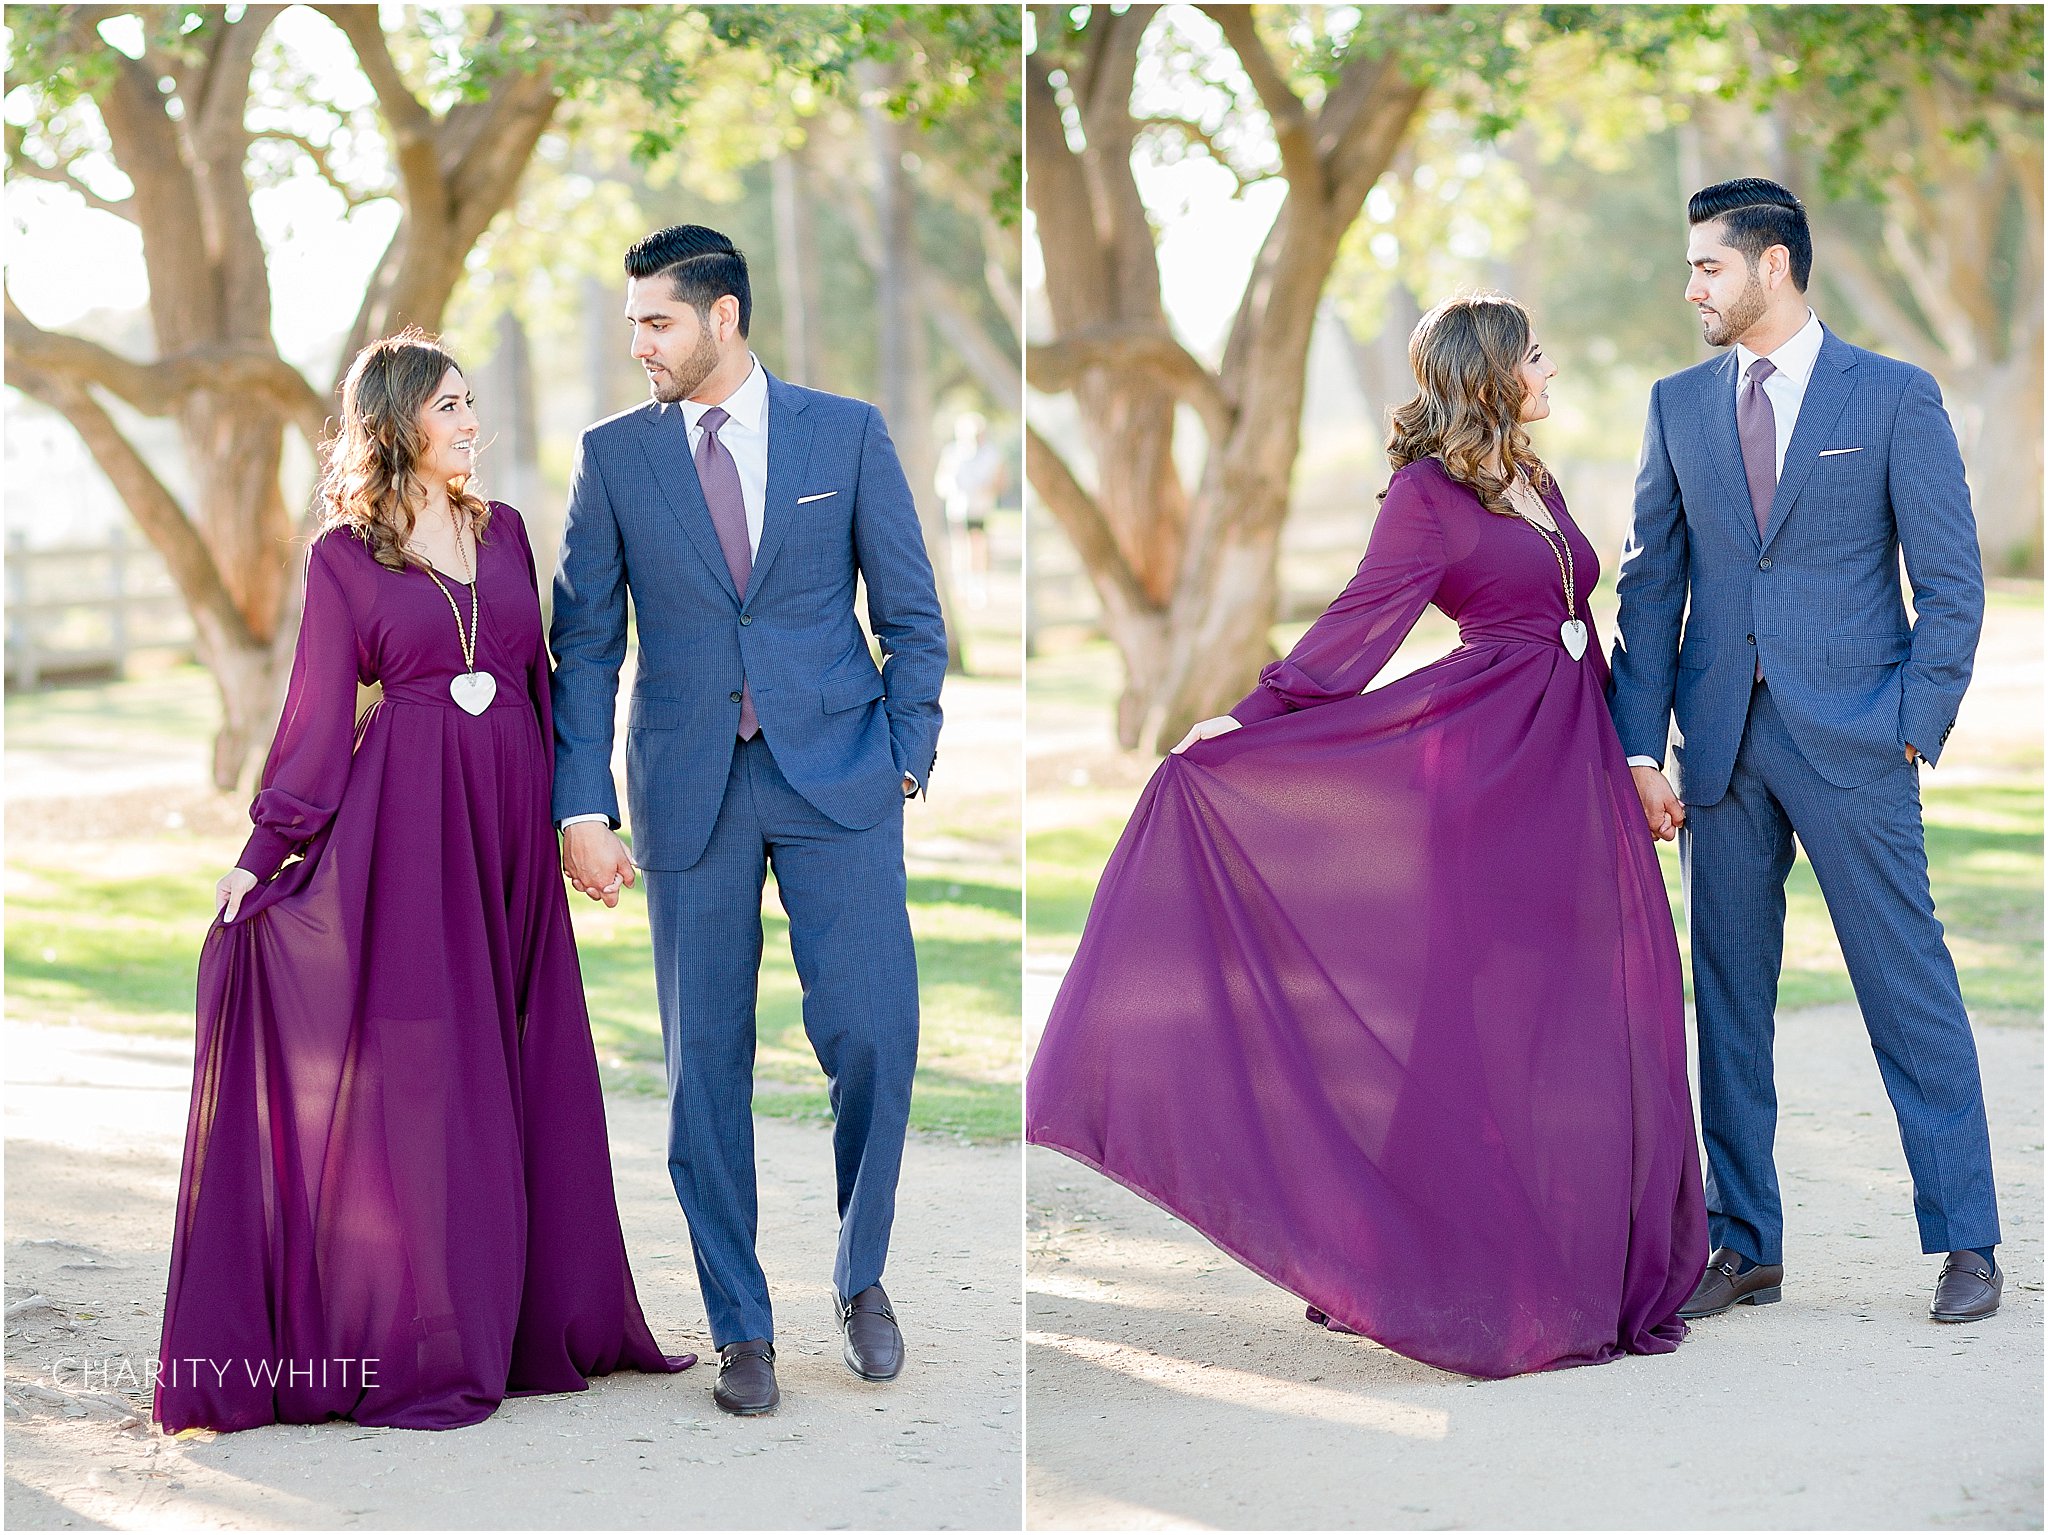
1632	762
568	821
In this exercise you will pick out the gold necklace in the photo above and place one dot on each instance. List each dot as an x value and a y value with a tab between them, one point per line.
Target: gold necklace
1573	630
472	690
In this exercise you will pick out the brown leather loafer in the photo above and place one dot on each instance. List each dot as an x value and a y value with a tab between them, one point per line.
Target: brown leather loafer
1968	1289
1722	1287
874	1344
746	1379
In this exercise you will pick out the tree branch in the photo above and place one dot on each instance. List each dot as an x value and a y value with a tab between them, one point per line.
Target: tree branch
993	368
159	388
319	155
1290	119
1083	523
1002	283
1194	133
410	123
1852	271
2010	93
29	169
1057	365
152	506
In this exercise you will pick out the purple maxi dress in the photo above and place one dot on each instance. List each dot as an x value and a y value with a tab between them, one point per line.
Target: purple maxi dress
397	1200
1381	993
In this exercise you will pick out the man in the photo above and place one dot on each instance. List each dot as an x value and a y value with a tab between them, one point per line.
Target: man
1779	484
738	511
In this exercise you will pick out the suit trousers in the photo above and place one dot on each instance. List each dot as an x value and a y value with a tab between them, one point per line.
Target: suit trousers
1869	853
849	933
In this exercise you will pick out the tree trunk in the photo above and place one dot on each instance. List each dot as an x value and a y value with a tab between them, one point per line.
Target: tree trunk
795	275
1997	410
1189	586
517	418
902	355
1380	363
177	128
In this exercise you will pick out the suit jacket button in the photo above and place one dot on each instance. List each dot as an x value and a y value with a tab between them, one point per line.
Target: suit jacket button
734	697
1764	563
745	619
1751	638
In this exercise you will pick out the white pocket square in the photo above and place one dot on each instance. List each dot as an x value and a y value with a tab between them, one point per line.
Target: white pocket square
821	495
1832	452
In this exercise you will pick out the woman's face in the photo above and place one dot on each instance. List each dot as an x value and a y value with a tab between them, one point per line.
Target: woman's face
1536	372
448	422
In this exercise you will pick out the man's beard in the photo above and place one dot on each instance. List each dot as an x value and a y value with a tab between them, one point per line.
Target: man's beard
689	377
1736	320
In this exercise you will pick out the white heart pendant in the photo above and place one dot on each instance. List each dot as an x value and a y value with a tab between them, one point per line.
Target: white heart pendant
1573	631
473	691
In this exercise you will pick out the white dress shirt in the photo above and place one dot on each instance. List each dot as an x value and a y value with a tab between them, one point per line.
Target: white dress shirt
746	438
1786	390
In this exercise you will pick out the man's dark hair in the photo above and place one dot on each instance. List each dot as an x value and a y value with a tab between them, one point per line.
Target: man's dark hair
702	266
1757	215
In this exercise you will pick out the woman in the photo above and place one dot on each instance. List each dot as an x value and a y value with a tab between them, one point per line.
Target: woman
1380	992
397	1203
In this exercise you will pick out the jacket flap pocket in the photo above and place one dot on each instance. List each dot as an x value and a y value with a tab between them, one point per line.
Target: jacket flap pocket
1869	649
1695	653
838	693
651	713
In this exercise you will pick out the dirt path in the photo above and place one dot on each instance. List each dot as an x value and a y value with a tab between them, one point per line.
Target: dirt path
1171	1388
94	1125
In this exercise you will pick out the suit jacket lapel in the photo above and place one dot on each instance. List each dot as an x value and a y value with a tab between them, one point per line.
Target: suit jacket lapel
789	452
665	439
1724	445
1827	393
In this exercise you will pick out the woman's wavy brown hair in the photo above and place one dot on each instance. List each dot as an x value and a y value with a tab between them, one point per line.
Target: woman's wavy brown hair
1467	353
372	485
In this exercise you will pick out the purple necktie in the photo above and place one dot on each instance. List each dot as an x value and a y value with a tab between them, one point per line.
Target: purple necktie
1757	426
720	478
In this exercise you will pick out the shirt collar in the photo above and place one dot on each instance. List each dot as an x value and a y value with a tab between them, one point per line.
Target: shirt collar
1795	359
746	405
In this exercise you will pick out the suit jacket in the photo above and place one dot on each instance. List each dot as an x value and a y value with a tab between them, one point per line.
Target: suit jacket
837	508
1872	469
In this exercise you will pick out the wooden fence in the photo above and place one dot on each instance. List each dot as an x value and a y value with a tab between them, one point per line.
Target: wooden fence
78	611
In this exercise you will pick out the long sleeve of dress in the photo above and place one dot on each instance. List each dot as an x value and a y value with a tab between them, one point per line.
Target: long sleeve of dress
539	671
309	761
1359	632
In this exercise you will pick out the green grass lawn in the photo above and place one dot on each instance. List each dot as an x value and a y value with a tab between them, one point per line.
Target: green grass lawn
1984	845
103	929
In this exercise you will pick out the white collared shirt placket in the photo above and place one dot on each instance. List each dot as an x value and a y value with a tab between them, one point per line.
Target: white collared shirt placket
1785	388
745	436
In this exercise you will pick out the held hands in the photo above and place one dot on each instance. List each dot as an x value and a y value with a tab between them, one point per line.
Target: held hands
1203	730
1911	754
1660	805
596	861
230	891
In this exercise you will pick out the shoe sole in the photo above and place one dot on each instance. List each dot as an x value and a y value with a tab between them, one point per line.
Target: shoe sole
1765	1297
747	1412
847	1355
1962	1316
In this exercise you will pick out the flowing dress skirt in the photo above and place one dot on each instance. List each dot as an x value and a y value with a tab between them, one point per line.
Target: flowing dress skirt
1383	997
397	1204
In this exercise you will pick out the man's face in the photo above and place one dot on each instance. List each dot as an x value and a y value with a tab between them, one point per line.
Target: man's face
670	340
1726	290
